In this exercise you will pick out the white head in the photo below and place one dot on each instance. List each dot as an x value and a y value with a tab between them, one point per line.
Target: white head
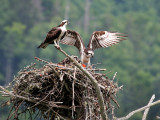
64	22
88	53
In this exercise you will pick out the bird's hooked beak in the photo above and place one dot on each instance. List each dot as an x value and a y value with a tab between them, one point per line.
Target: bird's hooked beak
68	23
92	55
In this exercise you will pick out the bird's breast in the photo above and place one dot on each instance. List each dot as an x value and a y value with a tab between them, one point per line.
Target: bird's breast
85	59
63	30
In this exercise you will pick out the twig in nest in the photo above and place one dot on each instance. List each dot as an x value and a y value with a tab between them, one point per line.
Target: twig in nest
41	60
115	101
73	96
29	67
57	74
114	76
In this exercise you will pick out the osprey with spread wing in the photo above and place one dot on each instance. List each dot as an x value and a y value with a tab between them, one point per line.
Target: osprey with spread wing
99	39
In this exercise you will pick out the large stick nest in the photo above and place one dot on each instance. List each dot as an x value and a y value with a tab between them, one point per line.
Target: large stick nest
60	91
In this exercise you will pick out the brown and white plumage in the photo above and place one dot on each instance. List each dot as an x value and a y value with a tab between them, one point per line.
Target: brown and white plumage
103	39
55	35
99	39
74	39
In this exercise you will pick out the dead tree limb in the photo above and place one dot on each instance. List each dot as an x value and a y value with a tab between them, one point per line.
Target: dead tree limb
138	110
147	110
94	82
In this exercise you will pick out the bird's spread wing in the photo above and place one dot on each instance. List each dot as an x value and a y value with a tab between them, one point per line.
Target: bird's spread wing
74	39
105	39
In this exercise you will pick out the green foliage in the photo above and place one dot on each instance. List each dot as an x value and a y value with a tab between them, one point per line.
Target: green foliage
24	26
14	34
6	14
2	79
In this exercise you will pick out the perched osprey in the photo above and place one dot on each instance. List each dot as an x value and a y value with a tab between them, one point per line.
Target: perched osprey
55	35
99	39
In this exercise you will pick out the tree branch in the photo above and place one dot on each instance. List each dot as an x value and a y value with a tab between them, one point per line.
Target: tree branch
94	82
147	110
139	110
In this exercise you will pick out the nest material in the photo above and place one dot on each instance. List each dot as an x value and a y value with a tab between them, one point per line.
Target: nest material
61	91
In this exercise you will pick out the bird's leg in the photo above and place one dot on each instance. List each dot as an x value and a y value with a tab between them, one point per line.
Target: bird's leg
89	64
57	42
56	45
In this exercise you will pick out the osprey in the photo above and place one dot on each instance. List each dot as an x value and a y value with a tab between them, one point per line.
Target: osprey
55	35
99	39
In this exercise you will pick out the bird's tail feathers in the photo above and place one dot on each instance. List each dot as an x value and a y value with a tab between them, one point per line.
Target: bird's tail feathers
43	45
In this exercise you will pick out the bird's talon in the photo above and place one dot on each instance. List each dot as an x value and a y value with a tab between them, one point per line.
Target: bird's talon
57	46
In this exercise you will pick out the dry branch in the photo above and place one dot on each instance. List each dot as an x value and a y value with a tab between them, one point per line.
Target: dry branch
147	110
139	110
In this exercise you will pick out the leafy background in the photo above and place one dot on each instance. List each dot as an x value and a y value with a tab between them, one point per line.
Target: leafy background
24	24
